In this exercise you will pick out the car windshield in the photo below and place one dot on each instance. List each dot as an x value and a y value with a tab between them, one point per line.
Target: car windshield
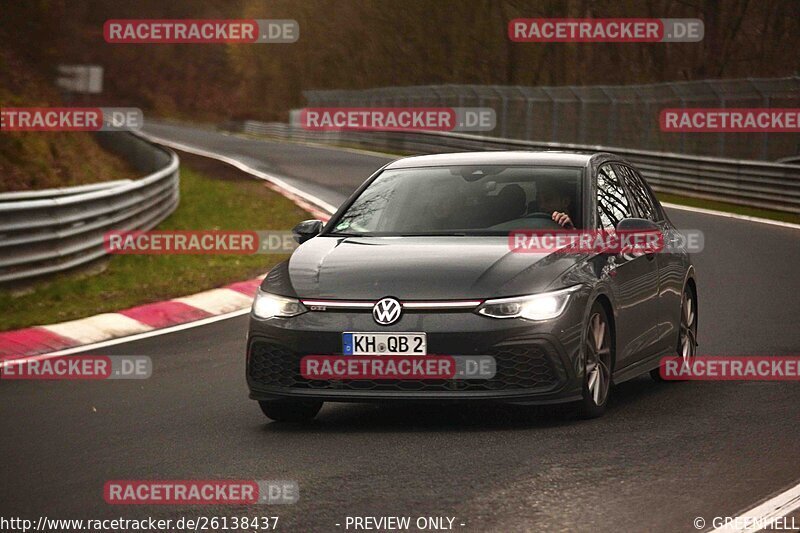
468	200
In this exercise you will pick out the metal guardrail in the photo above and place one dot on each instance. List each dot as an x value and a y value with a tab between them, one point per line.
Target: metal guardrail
606	115
42	232
769	185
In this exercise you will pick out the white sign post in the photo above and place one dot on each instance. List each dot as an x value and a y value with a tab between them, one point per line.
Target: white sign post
86	79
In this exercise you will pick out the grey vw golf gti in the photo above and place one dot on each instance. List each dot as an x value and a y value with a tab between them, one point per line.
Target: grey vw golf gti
418	261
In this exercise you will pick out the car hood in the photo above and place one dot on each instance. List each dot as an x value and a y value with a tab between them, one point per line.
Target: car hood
415	268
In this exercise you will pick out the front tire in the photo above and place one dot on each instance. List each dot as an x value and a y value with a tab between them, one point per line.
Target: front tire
687	335
290	410
597	362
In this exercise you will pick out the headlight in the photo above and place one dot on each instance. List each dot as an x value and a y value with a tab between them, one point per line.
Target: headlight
542	306
268	305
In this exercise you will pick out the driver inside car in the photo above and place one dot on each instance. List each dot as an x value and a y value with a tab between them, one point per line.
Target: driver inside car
552	200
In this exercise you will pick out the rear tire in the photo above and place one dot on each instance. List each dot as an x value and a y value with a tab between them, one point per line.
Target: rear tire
597	364
290	410
687	335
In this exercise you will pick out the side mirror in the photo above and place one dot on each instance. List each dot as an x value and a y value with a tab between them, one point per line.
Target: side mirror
640	235
306	230
637	224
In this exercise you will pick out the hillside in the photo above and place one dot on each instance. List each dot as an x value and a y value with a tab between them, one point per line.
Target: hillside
46	159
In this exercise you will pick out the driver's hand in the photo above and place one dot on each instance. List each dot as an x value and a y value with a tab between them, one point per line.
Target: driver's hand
562	219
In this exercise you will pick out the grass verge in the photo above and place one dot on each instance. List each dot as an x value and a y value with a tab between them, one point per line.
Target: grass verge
226	201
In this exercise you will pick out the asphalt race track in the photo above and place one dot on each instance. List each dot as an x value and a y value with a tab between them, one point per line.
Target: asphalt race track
663	455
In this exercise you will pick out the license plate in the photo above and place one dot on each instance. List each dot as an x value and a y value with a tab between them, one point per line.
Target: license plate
356	343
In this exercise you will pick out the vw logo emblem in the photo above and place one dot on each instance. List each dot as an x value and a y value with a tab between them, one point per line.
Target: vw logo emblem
387	311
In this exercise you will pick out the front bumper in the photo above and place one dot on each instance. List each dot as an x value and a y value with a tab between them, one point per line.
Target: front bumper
536	362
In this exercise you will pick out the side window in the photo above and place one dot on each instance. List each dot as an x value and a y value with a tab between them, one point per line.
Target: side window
640	194
612	204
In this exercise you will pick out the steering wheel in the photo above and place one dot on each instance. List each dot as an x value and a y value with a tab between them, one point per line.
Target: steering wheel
549	218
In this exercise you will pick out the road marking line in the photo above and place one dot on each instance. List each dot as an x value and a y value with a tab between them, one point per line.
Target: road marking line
312	144
766	513
246	168
730	215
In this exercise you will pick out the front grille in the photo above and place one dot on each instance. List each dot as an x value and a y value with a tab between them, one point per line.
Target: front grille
519	366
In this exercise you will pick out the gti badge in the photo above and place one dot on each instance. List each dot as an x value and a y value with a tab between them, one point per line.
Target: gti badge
386	311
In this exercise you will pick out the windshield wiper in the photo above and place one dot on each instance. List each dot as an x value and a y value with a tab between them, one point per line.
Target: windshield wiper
419	234
442	234
339	234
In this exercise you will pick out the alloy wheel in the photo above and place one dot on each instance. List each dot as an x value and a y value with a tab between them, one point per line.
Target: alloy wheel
687	339
598	358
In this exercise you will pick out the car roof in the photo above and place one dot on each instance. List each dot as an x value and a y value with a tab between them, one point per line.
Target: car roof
504	157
